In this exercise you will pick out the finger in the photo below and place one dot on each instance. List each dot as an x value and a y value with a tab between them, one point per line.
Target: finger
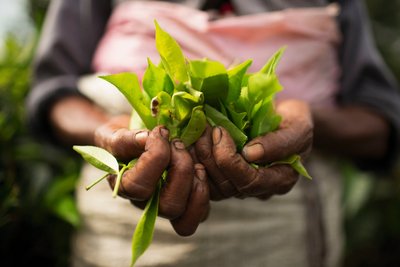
248	180
139	204
275	180
215	193
123	143
204	152
139	182
192	152
198	205
112	178
230	163
293	137
176	190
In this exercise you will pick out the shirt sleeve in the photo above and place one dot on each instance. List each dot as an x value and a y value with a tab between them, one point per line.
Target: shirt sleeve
70	33
366	80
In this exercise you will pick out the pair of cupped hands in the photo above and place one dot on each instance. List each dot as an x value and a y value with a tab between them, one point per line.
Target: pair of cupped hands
210	169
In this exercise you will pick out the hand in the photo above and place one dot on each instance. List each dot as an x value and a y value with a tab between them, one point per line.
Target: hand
231	173
184	198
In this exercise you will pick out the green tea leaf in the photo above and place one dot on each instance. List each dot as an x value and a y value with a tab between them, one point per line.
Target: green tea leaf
195	95
161	108
183	104
217	118
143	234
136	122
128	85
270	66
265	120
235	76
155	80
192	96
98	157
205	68
240	119
215	88
171	55
299	167
243	103
222	109
195	127
262	87
295	162
211	78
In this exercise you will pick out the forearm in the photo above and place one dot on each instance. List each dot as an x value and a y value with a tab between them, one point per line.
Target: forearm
74	120
353	131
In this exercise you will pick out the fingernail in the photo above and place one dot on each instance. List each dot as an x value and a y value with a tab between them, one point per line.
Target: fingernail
216	134
164	132
253	152
179	144
141	136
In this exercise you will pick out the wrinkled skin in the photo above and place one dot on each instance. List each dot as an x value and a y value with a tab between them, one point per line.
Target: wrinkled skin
231	173
213	168
184	198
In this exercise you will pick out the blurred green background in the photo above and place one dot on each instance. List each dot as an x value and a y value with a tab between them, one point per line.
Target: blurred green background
37	207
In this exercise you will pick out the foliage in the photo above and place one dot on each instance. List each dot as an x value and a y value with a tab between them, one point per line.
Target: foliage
33	199
37	207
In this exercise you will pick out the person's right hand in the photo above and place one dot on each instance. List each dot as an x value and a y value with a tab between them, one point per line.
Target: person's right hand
184	198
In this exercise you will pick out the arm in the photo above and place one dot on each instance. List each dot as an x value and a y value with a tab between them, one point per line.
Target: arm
365	127
64	53
352	131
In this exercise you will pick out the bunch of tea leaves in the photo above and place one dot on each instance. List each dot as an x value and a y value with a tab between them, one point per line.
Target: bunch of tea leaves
183	95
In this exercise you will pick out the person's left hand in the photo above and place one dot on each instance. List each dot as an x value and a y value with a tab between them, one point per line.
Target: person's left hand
231	173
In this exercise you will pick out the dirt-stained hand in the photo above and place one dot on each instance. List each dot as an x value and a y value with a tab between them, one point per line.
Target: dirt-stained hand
231	173
184	198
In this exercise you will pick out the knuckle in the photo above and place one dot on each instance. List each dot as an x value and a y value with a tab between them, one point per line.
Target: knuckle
254	185
228	161
204	152
159	155
114	142
135	190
